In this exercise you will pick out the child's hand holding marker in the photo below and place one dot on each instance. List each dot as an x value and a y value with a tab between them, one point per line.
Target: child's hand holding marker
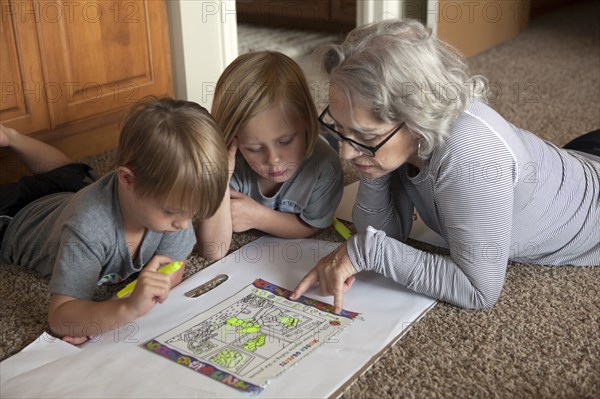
153	284
166	269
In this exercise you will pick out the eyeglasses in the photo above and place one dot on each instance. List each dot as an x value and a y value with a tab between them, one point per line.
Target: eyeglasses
327	121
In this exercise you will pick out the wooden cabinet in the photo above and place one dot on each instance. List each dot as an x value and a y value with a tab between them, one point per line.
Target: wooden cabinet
21	79
70	70
330	15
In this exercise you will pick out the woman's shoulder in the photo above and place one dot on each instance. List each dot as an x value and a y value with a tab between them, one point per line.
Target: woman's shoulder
480	136
480	126
482	117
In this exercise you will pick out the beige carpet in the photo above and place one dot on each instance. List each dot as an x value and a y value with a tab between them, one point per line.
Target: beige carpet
542	339
293	43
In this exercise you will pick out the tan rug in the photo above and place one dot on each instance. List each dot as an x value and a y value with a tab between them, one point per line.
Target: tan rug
293	43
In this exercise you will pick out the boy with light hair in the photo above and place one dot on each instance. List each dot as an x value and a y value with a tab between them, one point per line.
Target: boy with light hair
171	165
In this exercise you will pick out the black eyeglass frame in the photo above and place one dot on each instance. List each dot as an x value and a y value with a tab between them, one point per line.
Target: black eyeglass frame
365	149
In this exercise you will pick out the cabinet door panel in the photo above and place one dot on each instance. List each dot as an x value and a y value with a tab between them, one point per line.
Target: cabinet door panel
22	90
344	11
103	56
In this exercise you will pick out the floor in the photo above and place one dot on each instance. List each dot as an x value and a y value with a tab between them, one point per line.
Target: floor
292	42
297	44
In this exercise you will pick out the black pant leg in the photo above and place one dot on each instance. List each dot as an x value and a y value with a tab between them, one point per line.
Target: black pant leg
67	178
589	142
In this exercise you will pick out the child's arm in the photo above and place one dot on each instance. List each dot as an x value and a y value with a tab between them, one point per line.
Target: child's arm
214	234
248	214
75	318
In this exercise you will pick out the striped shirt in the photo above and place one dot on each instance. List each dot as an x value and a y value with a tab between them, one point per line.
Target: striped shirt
495	193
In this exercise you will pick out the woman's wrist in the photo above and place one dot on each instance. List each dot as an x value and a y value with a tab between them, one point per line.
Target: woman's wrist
382	180
352	251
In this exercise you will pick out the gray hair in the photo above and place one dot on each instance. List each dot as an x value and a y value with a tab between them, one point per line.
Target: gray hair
404	74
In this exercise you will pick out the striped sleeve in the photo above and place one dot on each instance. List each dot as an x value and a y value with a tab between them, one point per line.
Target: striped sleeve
473	189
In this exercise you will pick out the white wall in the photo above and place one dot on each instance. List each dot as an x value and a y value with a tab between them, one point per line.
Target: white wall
203	42
376	10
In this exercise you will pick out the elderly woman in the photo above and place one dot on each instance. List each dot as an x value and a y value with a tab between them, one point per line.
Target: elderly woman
417	129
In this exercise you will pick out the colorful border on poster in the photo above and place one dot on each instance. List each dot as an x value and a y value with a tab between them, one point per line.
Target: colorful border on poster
203	368
322	306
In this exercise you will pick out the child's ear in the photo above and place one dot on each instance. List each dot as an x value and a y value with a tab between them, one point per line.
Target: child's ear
125	176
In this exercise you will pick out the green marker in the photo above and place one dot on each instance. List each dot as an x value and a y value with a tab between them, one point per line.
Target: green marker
341	228
166	269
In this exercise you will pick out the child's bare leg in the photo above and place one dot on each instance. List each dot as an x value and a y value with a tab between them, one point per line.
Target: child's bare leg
39	157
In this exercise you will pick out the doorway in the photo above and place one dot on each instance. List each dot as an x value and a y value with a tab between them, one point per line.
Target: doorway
292	27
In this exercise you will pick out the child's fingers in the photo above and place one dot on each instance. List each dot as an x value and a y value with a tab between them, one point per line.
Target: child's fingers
156	262
154	279
151	289
152	283
176	277
75	340
160	292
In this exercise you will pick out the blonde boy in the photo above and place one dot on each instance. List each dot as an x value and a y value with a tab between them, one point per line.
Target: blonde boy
171	165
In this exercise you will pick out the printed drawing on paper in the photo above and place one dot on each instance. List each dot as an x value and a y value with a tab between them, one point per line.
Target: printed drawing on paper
252	336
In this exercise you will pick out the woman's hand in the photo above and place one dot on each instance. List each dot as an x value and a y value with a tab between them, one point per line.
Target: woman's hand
335	275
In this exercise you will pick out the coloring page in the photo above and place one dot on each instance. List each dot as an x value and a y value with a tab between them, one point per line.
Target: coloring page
252	337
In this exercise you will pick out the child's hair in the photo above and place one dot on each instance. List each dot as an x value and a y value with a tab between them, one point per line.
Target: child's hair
256	80
176	153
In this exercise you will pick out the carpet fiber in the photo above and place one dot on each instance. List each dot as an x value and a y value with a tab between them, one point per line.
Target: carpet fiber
293	43
542	339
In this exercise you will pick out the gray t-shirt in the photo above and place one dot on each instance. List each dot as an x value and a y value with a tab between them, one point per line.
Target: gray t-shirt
313	192
79	240
495	193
